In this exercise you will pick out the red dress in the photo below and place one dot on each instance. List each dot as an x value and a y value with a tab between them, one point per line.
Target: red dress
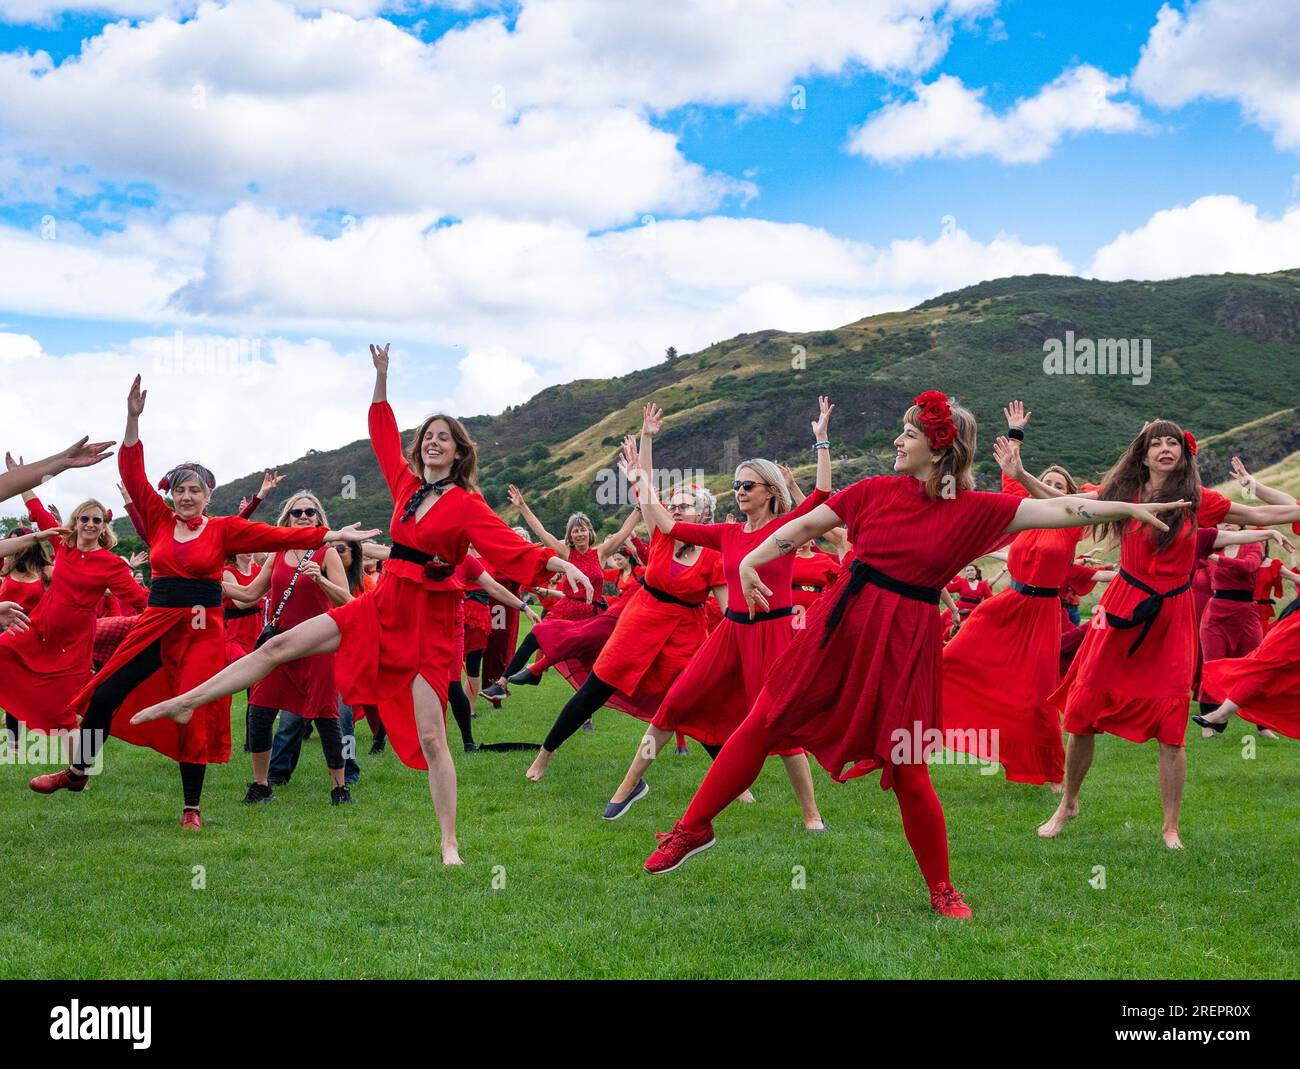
1230	626
1268	585
640	646
192	639
25	595
1266	684
1144	695
305	686
845	697
812	575
406	626
467	571
575	606
42	668
242	630
714	694
503	638
1005	661
477	606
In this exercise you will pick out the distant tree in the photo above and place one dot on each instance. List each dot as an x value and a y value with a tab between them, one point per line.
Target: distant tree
670	353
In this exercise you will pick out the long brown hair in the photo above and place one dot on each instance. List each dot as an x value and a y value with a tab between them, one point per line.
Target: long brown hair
954	467
464	469
1130	476
35	558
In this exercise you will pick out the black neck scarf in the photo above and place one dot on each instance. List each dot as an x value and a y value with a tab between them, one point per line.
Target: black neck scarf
413	504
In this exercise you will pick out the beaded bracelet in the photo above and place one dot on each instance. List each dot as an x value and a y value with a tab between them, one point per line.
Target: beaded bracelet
821	445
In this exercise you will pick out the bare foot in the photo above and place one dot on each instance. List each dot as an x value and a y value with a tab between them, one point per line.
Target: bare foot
814	823
1207	733
1057	788
1268	733
1171	839
171	709
1063	815
538	768
747	797
451	854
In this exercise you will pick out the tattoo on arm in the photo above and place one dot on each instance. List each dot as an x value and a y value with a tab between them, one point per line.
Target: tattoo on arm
782	545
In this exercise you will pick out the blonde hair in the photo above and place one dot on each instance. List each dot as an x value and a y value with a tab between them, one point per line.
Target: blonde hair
771	477
1071	487
954	467
321	521
107	539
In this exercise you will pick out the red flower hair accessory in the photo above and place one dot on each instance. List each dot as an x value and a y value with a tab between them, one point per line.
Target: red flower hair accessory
936	420
1189	440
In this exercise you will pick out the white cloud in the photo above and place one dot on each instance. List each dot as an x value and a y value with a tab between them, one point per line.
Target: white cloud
1212	235
945	118
1240	50
48	11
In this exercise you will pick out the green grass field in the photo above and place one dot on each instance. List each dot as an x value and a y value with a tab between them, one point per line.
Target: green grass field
102	884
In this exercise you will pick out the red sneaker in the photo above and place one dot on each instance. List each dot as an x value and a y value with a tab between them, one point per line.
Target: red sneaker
947	900
190	819
676	846
58	781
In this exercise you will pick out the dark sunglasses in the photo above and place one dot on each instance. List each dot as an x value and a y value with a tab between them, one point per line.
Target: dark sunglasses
299	513
96	520
747	485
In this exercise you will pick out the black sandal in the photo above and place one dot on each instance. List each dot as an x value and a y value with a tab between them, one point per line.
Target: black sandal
1216	728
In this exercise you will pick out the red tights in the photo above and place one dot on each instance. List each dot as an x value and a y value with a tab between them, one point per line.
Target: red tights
741	760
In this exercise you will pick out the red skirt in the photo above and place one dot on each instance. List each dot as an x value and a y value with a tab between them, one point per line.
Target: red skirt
43	668
109	632
305	686
190	656
1228	629
390	635
715	692
1266	684
241	636
1139	697
997	675
570	609
478	625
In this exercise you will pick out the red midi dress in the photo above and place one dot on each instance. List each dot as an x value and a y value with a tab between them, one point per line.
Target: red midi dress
192	637
1141	695
1230	626
406	626
811	576
305	686
1265	684
25	595
42	668
243	628
715	692
1268	586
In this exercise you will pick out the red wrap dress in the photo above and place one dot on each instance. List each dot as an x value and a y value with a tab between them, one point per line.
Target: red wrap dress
192	638
42	668
406	626
304	686
1141	695
713	695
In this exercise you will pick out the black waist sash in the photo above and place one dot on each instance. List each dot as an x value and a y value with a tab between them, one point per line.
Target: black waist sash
1035	591
239	614
480	596
860	574
424	560
759	617
1146	610
663	595
173	592
801	586
1234	595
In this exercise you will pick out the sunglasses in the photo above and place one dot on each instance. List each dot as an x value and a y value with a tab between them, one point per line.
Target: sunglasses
747	485
96	520
299	513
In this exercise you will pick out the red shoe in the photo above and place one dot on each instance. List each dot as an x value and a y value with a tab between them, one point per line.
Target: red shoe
946	900
190	819
58	781
676	846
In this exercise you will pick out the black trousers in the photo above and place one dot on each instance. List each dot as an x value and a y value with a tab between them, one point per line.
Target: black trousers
261	719
589	697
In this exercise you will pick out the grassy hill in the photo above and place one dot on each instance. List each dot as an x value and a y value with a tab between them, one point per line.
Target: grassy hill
1219	345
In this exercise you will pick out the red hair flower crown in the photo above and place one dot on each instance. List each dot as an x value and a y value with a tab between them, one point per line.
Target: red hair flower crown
1189	440
936	420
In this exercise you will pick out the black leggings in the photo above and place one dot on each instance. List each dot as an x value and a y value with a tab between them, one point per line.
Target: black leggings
11	726
594	693
261	719
459	702
108	697
526	649
474	664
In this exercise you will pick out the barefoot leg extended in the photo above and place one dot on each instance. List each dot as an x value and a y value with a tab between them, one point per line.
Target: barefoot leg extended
1173	774
797	768
442	772
1078	759
646	752
318	635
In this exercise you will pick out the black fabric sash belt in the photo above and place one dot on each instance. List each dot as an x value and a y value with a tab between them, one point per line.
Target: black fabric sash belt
173	592
860	574
759	617
239	614
1035	591
424	560
671	599
1293	607
1145	611
1234	595
810	589
480	596
1263	601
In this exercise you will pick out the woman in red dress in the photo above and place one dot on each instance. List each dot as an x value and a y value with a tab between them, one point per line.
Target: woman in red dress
711	697
43	669
814	571
298	584
395	643
243	619
178	640
860	686
27	573
1264	687
1132	677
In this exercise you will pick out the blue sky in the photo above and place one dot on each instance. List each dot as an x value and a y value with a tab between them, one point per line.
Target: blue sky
641	185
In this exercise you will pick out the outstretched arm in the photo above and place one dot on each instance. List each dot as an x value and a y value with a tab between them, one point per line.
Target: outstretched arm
1075	511
812	524
1263	515
560	549
615	542
80	454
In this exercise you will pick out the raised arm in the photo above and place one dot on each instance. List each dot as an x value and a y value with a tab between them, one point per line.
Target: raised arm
80	454
1252	485
812	524
379	357
615	541
560	549
821	443
636	472
1007	453
652	422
